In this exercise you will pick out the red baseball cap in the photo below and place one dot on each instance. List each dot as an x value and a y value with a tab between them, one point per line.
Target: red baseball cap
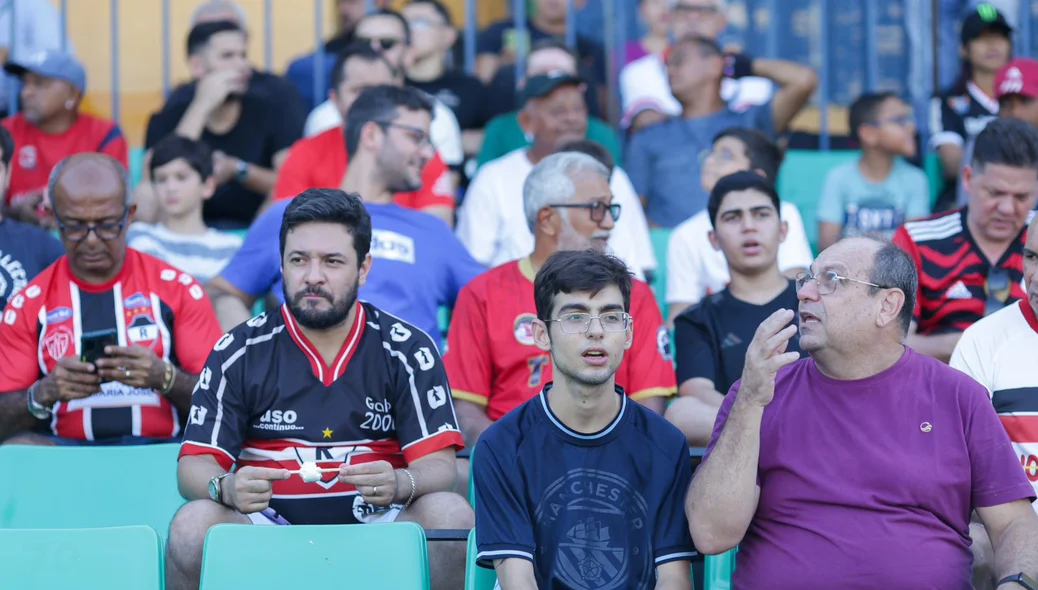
1019	76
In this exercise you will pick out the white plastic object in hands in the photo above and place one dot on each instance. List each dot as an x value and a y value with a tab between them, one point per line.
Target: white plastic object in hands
310	472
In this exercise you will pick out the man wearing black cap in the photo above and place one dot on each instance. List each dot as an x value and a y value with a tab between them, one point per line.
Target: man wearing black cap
966	108
492	223
50	128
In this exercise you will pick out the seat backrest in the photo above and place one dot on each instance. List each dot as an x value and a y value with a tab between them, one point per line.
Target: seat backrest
801	179
718	570
390	555
121	558
660	238
97	487
476	577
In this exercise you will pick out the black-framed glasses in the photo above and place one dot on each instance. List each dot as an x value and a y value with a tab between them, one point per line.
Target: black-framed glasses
997	288
578	323
379	43
420	136
597	209
77	232
827	281
900	121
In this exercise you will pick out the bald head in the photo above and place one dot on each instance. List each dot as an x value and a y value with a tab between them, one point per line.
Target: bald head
93	178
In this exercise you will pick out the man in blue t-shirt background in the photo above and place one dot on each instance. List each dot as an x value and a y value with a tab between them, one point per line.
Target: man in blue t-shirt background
579	487
418	263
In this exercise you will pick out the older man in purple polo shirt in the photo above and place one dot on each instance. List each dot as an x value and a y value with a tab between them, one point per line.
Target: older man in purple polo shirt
858	467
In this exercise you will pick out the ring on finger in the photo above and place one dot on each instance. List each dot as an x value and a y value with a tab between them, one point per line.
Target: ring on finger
374	491
128	373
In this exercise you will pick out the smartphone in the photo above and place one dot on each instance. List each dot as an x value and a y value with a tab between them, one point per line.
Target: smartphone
92	344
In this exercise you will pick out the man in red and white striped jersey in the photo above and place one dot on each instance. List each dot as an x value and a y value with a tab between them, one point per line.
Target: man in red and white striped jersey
323	379
150	325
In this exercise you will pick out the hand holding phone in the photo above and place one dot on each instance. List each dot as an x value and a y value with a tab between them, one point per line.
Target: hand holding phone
92	345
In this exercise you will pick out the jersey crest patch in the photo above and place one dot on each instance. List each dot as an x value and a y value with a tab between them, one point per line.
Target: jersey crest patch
58	342
523	328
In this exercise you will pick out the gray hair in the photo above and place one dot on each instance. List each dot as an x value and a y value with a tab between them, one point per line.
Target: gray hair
59	169
893	268
551	181
219	7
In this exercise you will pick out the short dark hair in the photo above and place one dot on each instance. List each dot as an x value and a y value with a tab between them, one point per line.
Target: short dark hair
196	153
381	104
355	51
763	154
201	33
743	180
865	109
329	205
707	47
393	14
439	8
593	149
578	271
6	147
1009	142
892	267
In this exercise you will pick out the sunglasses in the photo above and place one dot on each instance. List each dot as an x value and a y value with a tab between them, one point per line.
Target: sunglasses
379	43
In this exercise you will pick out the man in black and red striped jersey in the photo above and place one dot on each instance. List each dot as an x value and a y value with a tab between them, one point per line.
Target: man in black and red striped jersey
324	379
152	325
970	260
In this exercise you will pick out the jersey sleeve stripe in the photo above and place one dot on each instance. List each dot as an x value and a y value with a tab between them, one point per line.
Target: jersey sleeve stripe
468	396
415	398
653	392
431	444
662	559
486	558
190	448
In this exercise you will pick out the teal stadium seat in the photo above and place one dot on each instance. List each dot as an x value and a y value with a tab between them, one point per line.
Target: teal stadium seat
88	487
391	555
477	578
718	570
660	237
136	162
121	558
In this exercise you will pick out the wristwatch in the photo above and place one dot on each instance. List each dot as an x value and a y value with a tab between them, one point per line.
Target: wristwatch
216	488
242	172
1022	579
39	411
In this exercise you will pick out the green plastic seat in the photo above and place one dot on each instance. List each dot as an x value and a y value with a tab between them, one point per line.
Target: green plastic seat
476	577
88	487
390	555
801	179
121	558
660	238
136	165
718	570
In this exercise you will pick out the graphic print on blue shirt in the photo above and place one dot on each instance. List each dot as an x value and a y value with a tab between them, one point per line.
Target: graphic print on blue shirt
591	511
25	250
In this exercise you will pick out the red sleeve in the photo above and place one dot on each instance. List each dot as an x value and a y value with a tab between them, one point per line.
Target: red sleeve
195	327
436	187
467	356
905	242
648	366
114	144
19	332
292	177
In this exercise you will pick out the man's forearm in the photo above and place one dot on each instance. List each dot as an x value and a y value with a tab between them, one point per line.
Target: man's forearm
938	346
259	179
193	122
193	475
1016	550
180	394
723	496
515	574
230	310
14	414
430	475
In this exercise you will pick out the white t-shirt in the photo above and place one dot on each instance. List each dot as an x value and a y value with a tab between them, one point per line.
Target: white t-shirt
444	132
695	269
644	85
492	222
999	352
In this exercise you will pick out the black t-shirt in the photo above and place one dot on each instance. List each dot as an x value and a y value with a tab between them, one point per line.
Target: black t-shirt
500	39
464	94
711	337
957	118
25	250
268	124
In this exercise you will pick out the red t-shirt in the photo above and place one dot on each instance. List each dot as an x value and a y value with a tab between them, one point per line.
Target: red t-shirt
491	358
36	152
149	303
320	162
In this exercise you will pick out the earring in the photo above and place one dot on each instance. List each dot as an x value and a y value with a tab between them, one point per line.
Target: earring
70	104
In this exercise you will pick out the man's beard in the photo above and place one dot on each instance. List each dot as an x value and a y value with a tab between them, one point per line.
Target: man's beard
394	171
314	319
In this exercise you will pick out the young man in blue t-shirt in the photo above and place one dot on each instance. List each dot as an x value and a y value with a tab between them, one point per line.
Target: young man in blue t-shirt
579	487
419	265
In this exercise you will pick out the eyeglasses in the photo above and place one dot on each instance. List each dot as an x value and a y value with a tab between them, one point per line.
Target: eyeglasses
578	323
77	232
827	281
379	43
996	289
598	209
901	121
422	23
419	136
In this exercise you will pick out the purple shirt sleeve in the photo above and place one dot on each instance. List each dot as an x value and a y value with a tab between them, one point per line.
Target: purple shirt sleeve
254	269
995	467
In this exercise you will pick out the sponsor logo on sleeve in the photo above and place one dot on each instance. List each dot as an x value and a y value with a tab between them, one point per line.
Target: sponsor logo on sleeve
663	343
58	315
136	301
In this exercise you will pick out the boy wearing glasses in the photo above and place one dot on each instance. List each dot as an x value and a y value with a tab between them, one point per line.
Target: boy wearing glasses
880	190
579	487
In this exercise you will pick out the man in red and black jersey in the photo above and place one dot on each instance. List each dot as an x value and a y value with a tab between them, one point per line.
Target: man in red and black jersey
970	259
323	379
152	321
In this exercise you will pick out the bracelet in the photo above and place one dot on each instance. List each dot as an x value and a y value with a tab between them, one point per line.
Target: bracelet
413	488
168	378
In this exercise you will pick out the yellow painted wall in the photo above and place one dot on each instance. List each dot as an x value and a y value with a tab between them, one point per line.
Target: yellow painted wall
140	46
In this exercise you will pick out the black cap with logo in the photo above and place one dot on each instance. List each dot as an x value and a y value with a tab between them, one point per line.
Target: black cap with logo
543	85
984	17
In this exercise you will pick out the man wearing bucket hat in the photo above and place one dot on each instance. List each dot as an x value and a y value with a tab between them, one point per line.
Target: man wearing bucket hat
50	127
